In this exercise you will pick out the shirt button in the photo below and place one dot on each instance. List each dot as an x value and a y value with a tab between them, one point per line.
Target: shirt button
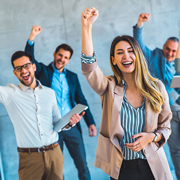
145	152
41	134
62	108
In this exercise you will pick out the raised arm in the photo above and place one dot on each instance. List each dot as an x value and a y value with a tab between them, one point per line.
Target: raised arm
88	17
138	34
29	48
177	60
92	72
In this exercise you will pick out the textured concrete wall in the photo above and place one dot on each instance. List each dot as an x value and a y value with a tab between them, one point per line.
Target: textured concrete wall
60	22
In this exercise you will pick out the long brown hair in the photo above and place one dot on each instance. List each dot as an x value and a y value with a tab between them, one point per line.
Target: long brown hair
146	84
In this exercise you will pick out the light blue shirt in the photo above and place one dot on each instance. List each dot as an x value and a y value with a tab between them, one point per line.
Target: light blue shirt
133	122
61	87
32	112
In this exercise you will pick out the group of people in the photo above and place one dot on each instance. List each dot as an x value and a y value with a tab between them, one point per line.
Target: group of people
140	111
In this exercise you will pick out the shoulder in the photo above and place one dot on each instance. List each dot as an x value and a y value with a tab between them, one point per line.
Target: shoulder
11	87
71	73
161	87
48	89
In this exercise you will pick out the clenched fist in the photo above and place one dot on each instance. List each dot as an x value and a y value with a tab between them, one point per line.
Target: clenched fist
89	16
143	17
34	32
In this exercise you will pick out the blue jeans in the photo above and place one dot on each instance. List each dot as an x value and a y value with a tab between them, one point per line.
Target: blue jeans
74	143
174	142
137	169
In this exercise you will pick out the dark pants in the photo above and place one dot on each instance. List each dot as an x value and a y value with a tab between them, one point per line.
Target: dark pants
74	143
137	169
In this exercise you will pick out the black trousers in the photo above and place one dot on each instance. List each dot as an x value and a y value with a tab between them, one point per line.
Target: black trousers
137	169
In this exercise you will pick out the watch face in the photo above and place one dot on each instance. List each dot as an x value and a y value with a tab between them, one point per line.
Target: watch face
155	138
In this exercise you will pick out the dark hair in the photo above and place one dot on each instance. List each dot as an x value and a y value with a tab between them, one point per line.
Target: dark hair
66	48
175	39
19	54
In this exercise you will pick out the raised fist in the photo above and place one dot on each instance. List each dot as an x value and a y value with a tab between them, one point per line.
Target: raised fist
34	32
89	16
143	17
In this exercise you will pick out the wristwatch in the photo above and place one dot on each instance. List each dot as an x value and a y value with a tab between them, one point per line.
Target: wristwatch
155	138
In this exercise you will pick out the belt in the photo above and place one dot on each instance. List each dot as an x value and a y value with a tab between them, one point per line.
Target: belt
40	149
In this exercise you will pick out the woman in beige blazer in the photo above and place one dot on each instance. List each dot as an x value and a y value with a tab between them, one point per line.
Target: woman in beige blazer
135	110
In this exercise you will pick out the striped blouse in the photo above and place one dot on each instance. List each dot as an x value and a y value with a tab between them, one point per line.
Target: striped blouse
133	122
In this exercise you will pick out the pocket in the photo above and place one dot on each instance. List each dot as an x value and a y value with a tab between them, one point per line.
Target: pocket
104	148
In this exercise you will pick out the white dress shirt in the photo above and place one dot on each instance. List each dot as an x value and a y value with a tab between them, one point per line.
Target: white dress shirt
32	112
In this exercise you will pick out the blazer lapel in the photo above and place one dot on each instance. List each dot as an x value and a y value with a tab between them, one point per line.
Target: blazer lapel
117	132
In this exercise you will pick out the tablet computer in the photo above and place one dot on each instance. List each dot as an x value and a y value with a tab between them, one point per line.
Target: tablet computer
175	83
59	125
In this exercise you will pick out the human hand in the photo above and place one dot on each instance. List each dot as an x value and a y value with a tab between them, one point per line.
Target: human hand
34	32
143	17
89	16
92	130
141	142
75	118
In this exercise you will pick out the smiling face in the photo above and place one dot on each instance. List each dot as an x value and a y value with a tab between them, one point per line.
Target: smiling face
124	57
25	74
169	50
61	58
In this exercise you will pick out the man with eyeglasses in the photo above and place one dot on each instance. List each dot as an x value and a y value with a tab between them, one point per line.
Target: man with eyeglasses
33	110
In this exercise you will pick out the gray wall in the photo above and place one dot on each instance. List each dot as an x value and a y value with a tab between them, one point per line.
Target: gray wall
60	22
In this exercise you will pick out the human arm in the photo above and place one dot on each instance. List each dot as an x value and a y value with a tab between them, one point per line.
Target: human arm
92	72
29	48
138	34
80	99
7	93
177	60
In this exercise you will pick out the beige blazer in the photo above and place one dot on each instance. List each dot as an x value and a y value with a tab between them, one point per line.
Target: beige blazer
108	153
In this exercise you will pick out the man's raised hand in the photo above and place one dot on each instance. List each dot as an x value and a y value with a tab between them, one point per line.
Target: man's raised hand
143	17
34	32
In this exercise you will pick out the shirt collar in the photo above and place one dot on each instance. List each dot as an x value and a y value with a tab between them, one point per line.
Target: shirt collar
56	70
125	86
124	83
26	88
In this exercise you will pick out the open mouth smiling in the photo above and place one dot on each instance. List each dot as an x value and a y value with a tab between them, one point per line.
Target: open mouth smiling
26	76
127	63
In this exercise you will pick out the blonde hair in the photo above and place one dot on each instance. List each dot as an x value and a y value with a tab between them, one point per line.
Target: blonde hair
146	84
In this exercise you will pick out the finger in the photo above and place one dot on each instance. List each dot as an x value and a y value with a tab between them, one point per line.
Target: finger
82	114
136	135
132	145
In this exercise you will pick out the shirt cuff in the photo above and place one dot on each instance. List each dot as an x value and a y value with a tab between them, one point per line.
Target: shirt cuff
138	27
88	59
30	42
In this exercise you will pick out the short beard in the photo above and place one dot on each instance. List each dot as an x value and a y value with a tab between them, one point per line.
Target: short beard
32	79
62	67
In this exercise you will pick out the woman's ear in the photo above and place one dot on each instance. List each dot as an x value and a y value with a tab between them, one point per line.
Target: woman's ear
113	60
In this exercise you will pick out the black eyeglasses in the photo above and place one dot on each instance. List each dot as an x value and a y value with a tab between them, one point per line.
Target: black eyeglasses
25	66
